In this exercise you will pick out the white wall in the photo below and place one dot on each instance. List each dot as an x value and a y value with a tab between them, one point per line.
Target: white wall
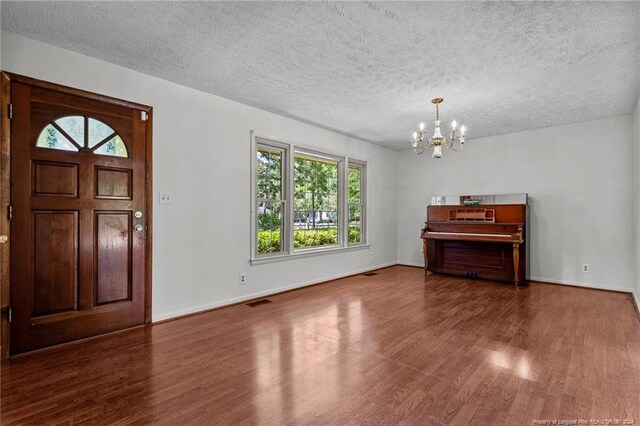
581	189
201	143
636	197
578	177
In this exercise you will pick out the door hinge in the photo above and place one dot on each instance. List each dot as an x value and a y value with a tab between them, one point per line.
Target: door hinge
9	212
10	111
10	315
144	116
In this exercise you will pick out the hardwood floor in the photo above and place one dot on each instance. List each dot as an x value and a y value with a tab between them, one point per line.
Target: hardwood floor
387	349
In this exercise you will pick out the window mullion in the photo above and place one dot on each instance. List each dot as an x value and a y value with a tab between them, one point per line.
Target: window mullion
343	209
290	179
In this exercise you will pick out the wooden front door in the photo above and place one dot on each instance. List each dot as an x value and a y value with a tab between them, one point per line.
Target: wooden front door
78	215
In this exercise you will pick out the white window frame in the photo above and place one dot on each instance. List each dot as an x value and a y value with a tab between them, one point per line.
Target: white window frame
289	151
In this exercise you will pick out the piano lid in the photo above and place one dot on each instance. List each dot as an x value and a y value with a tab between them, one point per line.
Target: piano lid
478	200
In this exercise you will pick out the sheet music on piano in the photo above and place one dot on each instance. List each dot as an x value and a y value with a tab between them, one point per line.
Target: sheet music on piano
466	236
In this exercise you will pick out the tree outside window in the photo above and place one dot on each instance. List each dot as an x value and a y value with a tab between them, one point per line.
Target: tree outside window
316	216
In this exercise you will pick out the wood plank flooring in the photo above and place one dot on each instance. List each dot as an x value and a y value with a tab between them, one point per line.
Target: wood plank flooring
394	348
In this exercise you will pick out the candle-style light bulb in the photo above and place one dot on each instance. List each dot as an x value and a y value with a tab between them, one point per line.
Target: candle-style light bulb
415	135
454	124
421	126
462	130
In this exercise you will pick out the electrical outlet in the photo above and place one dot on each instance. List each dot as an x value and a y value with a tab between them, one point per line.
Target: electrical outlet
165	197
585	267
371	255
243	278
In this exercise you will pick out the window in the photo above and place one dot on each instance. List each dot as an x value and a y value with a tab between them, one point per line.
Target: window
316	210
305	201
270	202
68	134
356	201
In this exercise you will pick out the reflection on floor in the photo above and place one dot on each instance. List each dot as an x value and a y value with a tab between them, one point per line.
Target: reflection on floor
381	349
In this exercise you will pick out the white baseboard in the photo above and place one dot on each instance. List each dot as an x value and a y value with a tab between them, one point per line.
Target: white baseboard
246	297
579	284
636	298
419	265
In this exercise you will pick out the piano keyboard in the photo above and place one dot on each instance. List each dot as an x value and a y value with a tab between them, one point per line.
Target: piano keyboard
470	234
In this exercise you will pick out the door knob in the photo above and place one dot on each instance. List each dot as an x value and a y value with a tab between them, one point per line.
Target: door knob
138	227
4	239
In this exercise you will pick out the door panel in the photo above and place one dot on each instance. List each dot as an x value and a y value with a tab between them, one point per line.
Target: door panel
51	178
55	261
113	256
78	252
113	183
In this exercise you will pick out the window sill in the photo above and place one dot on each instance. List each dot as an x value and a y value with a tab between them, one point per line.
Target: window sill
307	253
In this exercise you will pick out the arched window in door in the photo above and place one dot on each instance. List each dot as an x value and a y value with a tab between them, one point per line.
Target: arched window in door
74	132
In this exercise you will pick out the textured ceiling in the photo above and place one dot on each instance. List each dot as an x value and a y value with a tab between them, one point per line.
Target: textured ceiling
369	68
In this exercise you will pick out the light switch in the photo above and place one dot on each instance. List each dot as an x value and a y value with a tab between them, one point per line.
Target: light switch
165	197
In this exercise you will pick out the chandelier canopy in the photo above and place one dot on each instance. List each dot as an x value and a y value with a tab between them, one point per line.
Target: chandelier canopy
437	141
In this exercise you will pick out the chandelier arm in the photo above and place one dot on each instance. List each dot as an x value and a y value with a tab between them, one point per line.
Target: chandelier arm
460	143
453	134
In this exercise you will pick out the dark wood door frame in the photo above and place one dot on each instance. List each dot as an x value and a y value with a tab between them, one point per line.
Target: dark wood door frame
6	79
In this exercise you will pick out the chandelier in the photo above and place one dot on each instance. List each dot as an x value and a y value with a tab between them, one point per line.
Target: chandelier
437	141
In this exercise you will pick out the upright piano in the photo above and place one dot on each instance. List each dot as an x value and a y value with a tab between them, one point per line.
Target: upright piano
481	241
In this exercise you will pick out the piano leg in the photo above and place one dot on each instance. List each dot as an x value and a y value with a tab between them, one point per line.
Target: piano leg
424	253
516	263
